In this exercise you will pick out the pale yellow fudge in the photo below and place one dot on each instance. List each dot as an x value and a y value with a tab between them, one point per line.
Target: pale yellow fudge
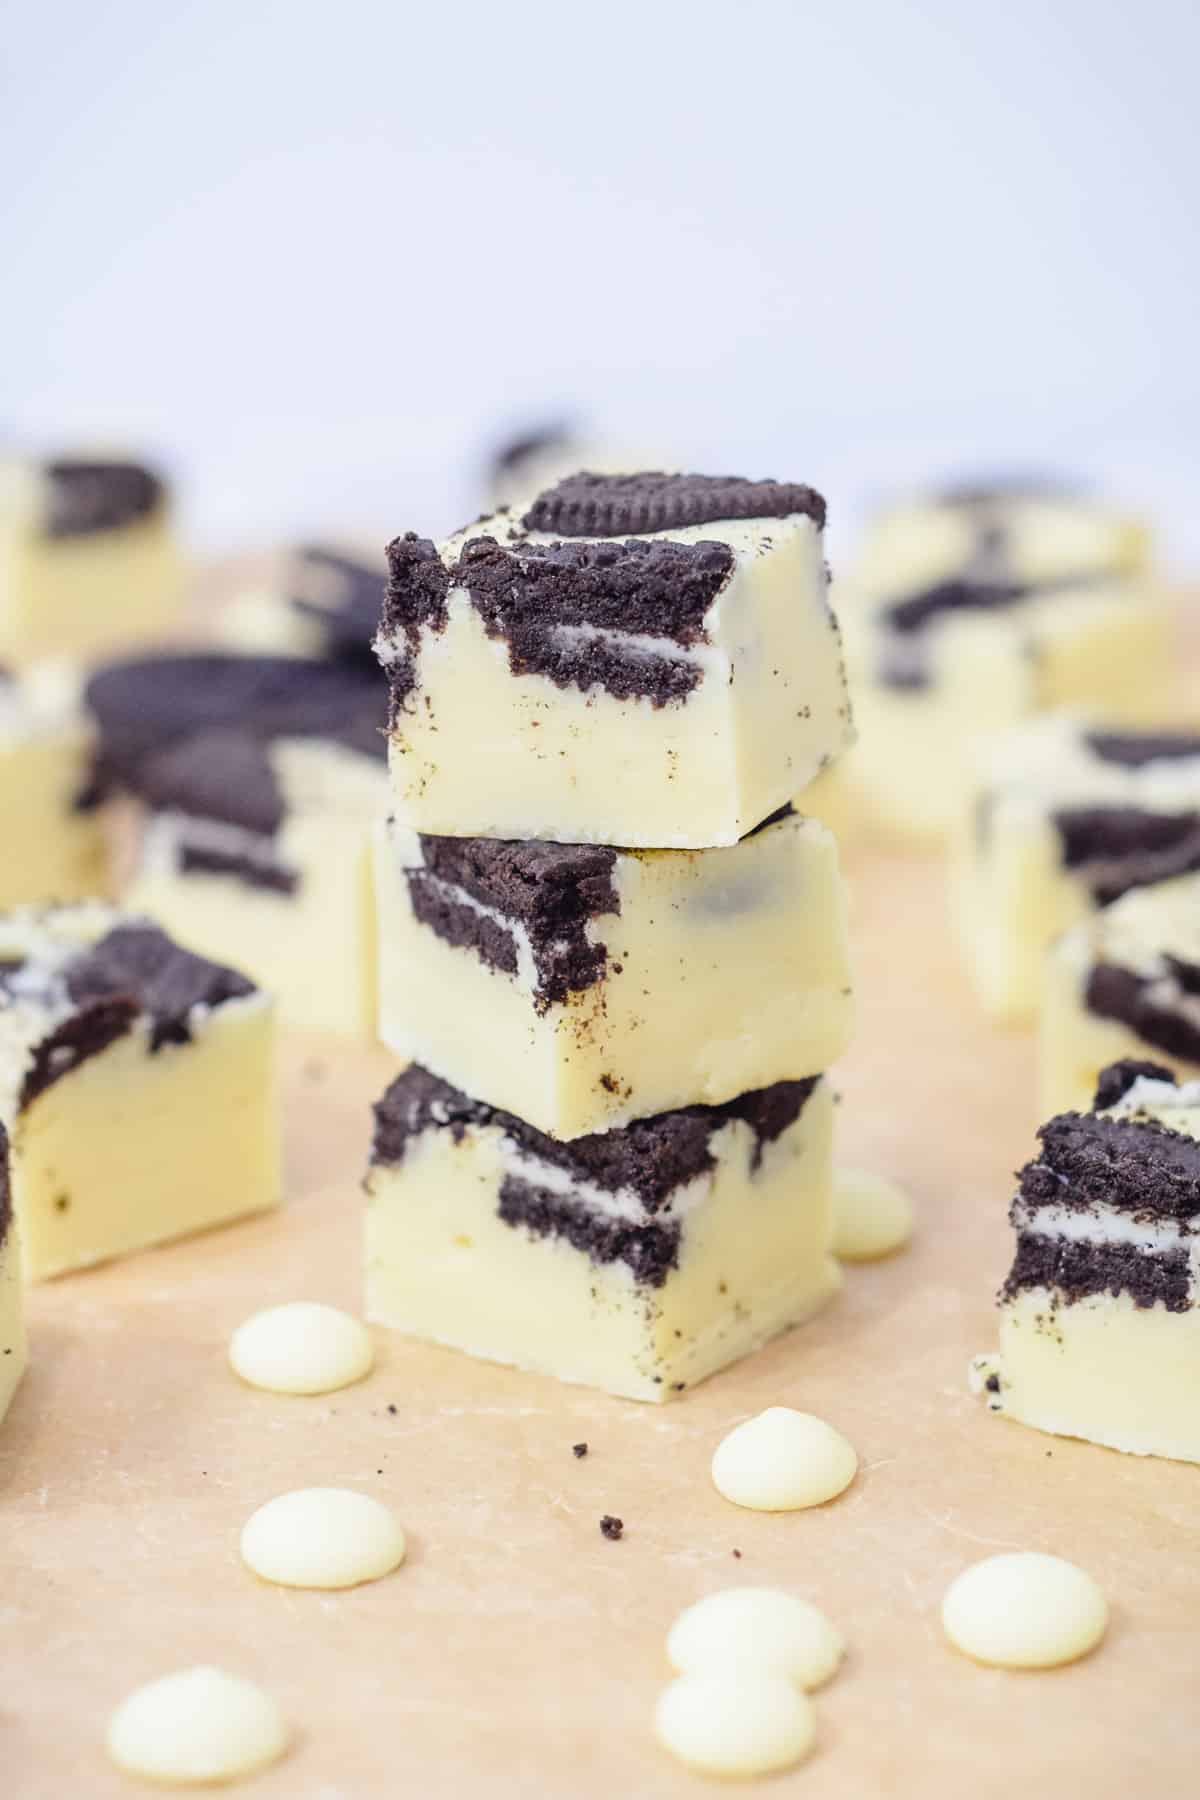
581	987
1099	1316
317	601
1124	983
53	837
647	660
1065	817
638	1260
12	1291
88	558
261	778
137	1085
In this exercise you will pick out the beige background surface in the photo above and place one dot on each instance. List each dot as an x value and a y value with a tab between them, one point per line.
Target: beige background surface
518	1652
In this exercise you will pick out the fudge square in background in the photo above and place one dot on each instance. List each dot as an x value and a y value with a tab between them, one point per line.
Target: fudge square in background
137	1085
12	1290
261	778
1099	1316
320	601
638	1260
646	660
580	986
1067	816
88	559
1123	984
54	842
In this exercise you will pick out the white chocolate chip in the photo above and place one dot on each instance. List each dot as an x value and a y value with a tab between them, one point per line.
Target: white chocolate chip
872	1217
782	1460
301	1348
755	1627
735	1722
323	1538
1024	1611
197	1726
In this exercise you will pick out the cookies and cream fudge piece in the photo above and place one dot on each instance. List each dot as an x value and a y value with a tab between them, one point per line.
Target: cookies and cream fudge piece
1124	983
321	601
647	660
937	669
1100	1314
136	1083
581	986
638	1260
1040	534
88	559
1066	817
261	778
54	841
12	1290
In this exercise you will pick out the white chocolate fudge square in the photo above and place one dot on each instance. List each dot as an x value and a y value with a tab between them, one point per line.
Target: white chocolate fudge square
88	558
1123	984
12	1290
1046	534
638	1261
936	671
54	840
1100	1314
137	1085
1066	817
647	660
318	601
580	986
262	778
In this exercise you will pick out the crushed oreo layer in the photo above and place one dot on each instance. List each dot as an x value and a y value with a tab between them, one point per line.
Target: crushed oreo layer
251	871
1133	1166
90	496
599	506
550	890
1118	848
344	596
141	964
1116	1080
652	1158
565	609
650	1250
150	706
1134	749
1163	1009
6	1210
1073	1270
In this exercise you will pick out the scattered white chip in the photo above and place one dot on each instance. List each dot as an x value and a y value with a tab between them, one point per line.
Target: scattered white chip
198	1726
872	1217
756	1627
1024	1611
782	1460
301	1348
735	1721
323	1538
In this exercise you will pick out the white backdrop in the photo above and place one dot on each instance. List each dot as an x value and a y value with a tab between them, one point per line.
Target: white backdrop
319	254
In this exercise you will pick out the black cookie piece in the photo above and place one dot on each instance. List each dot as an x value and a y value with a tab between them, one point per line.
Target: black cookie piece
598	506
1073	1270
251	871
95	1026
98	496
1138	1001
649	1248
140	966
1134	749
550	889
1125	847
350	603
1135	1166
149	703
515	450
918	611
652	1156
1116	1081
224	775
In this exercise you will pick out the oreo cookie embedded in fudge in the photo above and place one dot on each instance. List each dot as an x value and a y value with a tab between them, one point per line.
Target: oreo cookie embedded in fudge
140	1086
1099	1314
603	984
622	1259
647	660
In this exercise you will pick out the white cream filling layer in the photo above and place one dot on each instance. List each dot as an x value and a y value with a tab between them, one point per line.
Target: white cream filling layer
621	1204
1104	1225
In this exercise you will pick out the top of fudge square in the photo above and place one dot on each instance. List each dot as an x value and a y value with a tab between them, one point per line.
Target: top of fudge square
342	594
83	496
191	733
1112	1201
74	979
594	563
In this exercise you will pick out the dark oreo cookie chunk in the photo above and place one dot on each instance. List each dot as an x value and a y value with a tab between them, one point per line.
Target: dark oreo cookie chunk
98	496
1152	1008
343	595
1134	749
1116	1081
599	506
142	965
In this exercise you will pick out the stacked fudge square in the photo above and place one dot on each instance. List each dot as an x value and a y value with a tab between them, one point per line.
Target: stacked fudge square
612	949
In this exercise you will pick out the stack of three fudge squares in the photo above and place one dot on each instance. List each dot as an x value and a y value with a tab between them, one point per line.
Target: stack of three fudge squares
612	950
